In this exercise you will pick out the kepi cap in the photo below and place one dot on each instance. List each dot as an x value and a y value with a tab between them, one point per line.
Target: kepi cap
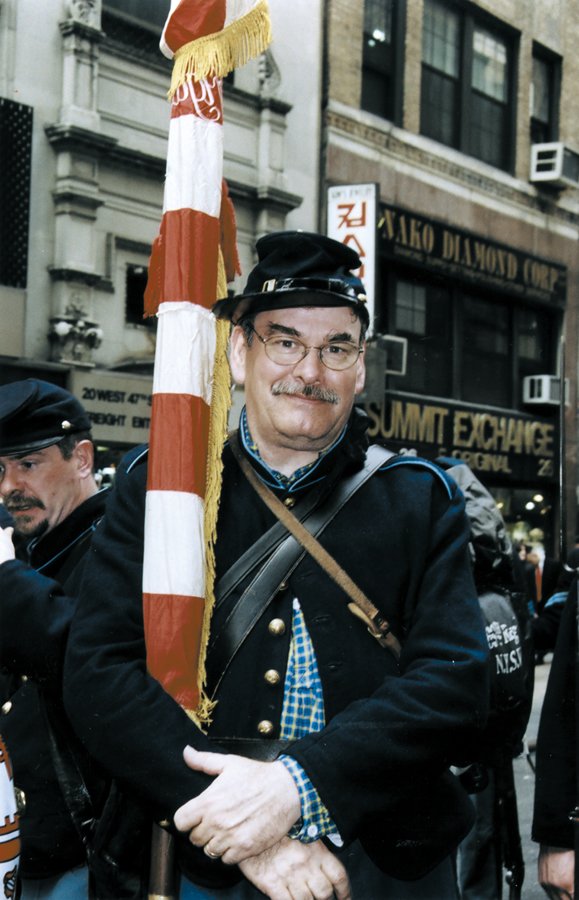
35	414
298	268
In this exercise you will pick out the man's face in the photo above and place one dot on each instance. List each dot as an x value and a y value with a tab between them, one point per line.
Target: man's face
40	488
304	406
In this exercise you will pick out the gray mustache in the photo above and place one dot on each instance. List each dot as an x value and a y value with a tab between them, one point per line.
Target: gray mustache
313	391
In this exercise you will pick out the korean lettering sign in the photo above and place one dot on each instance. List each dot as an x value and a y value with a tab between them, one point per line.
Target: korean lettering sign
352	210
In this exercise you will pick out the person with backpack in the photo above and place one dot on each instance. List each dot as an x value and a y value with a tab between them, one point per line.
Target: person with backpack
494	842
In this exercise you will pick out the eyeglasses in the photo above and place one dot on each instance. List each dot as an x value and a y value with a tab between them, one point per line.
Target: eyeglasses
288	351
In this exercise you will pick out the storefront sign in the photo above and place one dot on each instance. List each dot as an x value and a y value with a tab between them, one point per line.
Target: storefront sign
463	255
505	445
352	220
119	406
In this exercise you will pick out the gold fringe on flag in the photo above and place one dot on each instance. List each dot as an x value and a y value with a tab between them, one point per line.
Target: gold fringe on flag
220	403
220	53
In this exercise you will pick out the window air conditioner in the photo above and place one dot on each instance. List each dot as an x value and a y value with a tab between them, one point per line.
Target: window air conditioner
555	165
544	389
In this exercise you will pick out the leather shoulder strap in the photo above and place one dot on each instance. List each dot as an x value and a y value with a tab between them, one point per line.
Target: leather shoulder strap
363	607
287	554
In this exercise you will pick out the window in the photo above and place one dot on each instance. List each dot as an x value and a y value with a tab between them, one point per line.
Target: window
382	61
467	97
422	315
15	163
487	353
154	12
136	282
465	345
134	27
545	88
534	339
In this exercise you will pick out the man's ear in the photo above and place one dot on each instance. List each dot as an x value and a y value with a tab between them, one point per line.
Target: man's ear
237	354
361	371
84	453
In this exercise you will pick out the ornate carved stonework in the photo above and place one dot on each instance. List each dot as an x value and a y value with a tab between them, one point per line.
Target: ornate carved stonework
85	11
73	337
269	74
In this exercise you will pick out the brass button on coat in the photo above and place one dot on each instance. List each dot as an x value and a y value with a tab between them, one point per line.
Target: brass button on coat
6	708
277	627
20	798
289	502
272	676
265	727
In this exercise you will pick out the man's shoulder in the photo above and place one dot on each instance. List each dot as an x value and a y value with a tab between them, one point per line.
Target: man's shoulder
413	470
136	457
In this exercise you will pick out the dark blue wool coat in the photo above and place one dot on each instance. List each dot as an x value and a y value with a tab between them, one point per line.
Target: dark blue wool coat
38	600
390	733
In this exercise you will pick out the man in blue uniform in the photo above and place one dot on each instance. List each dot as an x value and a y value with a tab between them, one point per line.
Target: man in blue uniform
48	487
354	794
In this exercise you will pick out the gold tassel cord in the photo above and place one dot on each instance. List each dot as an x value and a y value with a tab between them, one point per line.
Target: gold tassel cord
220	403
218	54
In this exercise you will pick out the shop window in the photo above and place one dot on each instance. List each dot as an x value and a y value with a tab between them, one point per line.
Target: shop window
135	285
545	89
15	165
528	513
467	98
422	315
382	58
487	353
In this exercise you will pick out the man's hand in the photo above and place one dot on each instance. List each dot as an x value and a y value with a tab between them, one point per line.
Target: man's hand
294	871
6	545
557	872
249	807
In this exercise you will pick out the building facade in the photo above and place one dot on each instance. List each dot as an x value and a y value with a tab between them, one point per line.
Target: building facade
83	142
443	105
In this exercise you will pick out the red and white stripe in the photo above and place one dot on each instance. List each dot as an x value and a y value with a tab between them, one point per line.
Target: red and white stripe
9	829
174	565
183	276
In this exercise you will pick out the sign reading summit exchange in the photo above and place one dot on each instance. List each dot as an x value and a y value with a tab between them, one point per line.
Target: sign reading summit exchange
453	252
506	444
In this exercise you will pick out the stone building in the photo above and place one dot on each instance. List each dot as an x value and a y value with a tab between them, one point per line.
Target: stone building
83	140
464	115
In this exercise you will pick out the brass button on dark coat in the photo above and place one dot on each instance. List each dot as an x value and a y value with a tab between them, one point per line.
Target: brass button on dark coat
6	708
289	502
20	798
277	627
272	676
265	727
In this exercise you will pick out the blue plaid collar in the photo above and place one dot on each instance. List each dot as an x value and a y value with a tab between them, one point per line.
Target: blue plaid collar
287	482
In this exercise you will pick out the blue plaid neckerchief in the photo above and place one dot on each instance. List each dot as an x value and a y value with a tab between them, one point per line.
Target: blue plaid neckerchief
284	481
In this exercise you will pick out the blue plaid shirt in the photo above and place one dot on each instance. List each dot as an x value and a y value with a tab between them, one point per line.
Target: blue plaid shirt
303	698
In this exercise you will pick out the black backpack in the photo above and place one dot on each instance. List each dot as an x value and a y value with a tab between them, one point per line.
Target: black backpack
507	620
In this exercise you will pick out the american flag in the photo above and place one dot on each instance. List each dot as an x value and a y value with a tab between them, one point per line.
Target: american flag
193	258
